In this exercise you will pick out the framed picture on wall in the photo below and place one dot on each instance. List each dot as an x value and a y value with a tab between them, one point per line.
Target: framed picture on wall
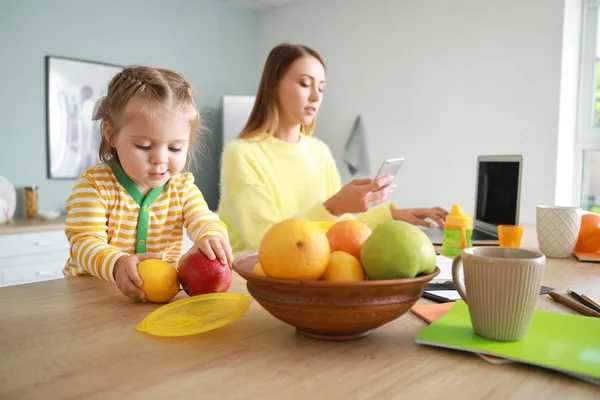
72	88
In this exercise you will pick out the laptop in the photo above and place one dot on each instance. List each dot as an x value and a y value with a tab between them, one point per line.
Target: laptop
498	196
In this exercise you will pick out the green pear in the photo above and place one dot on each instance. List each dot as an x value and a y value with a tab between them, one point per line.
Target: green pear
396	250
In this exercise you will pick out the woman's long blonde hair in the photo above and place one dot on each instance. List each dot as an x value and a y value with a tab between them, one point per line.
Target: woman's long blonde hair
139	89
264	117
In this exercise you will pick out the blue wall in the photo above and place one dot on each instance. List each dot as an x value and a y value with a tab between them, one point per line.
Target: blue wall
213	45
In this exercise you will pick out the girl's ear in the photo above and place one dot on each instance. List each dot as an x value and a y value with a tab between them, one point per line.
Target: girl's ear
107	133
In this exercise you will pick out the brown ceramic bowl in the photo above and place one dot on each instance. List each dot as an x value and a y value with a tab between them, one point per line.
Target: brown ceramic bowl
332	310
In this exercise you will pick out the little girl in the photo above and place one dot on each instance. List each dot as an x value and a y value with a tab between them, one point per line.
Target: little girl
134	205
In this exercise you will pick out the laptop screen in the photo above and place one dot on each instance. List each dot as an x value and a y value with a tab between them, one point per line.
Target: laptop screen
497	192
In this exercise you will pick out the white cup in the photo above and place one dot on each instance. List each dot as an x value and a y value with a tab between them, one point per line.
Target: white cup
557	230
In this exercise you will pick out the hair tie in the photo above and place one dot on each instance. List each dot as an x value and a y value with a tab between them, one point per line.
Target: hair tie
99	111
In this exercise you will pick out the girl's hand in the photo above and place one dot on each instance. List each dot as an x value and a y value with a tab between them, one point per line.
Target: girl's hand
214	247
126	275
418	216
360	195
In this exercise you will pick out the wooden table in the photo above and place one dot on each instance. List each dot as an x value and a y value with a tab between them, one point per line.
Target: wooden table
76	338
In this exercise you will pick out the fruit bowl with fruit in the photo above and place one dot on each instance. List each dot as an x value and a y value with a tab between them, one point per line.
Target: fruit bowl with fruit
340	284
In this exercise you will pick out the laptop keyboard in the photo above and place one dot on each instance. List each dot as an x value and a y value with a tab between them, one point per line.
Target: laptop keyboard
480	235
436	235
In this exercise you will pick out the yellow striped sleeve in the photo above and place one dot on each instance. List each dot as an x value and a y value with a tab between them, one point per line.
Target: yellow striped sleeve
86	229
198	219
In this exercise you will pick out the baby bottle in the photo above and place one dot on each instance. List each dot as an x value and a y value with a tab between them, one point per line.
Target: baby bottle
458	230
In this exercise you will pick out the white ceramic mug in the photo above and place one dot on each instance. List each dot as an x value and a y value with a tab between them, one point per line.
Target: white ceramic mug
501	288
557	230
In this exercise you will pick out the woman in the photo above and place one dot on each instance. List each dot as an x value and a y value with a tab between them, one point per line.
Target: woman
277	170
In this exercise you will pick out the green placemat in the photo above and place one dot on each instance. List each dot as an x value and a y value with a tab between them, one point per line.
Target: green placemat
562	342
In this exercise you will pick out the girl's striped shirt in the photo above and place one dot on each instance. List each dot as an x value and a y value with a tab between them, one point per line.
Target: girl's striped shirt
108	217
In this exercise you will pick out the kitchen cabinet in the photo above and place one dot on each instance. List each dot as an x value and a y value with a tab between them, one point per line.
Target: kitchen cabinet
33	250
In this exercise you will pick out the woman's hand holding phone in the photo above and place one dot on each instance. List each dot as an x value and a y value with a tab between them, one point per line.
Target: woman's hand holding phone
389	167
360	195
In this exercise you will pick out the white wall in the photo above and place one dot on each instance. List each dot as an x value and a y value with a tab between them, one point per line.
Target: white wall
438	82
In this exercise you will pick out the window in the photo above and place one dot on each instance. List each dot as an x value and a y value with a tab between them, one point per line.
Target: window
587	155
596	10
590	185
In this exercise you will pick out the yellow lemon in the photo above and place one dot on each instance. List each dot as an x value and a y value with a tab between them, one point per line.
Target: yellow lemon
343	267
160	280
257	270
294	249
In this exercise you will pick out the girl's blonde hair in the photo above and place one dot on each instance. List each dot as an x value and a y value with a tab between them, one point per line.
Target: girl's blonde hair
139	89
265	115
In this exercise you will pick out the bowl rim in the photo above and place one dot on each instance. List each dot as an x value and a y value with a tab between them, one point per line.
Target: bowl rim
375	283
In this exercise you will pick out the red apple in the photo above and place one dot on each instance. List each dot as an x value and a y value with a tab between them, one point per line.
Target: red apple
199	275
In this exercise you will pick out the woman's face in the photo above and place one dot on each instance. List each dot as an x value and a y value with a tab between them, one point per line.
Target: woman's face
300	91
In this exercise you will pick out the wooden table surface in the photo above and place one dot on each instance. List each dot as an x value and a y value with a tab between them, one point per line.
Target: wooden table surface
76	338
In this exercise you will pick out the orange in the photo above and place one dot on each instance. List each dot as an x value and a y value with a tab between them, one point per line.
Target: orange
589	233
257	270
591	245
294	249
349	236
343	267
160	280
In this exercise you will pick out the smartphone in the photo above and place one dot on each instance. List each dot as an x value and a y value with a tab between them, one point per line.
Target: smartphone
390	166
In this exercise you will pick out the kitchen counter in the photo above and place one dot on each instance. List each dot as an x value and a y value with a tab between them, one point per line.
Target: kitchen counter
76	338
37	224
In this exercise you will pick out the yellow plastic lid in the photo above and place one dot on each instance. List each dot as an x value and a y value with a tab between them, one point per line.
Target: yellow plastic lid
458	218
195	314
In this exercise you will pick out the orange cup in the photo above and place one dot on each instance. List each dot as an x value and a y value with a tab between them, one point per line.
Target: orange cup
510	235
